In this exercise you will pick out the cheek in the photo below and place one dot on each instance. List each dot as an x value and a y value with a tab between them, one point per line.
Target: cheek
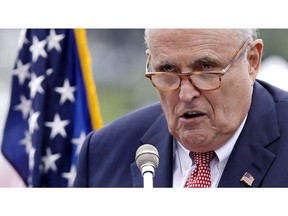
168	102
236	97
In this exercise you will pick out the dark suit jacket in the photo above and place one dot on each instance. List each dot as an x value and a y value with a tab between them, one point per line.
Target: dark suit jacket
107	158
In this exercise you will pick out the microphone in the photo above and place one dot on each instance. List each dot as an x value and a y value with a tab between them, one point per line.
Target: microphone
147	160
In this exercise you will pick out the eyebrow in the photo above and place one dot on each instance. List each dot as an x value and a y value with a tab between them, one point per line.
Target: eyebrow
164	63
193	64
206	59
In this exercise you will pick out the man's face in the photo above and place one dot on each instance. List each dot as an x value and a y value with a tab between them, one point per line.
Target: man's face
204	120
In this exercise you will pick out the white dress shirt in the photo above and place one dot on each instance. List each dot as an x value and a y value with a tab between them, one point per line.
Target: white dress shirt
183	164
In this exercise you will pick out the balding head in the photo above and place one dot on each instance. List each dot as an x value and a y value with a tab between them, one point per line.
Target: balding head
240	34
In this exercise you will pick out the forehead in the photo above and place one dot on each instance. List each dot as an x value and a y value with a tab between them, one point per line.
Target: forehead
176	39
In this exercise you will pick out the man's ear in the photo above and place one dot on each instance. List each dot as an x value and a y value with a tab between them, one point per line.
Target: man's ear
254	58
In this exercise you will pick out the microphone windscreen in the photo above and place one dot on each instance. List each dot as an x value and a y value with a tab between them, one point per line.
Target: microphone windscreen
147	154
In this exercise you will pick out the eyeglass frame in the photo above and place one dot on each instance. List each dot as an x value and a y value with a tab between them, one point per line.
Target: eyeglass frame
187	75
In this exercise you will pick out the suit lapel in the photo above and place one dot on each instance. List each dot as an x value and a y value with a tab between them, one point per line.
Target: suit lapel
158	136
250	153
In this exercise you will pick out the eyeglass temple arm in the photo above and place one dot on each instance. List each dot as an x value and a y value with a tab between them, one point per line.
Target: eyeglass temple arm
240	52
148	60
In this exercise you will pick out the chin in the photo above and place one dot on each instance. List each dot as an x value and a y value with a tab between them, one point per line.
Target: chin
194	141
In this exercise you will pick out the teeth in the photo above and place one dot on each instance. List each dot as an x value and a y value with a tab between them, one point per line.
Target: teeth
191	114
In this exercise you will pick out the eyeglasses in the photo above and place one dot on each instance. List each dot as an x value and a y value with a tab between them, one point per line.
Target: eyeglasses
202	80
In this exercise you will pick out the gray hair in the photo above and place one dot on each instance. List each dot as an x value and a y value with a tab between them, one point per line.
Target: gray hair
247	33
242	34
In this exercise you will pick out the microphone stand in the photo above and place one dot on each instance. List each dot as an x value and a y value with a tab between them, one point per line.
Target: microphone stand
148	174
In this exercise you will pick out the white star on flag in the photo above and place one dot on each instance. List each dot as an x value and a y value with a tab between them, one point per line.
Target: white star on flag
67	92
49	160
78	142
37	49
70	176
31	163
32	121
22	39
27	141
54	40
24	106
35	85
31	158
57	126
22	71
49	71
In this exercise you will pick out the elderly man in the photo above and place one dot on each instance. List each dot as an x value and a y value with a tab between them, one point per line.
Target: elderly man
217	126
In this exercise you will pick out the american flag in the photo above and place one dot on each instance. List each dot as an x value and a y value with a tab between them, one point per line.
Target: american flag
247	178
52	108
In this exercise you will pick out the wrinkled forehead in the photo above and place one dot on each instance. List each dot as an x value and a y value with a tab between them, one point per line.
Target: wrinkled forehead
185	37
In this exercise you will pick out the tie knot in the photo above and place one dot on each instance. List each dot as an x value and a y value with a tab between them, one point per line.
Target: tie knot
203	157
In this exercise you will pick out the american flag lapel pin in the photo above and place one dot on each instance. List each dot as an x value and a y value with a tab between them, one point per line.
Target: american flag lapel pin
248	179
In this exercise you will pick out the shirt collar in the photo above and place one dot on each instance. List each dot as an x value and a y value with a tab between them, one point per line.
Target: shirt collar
224	151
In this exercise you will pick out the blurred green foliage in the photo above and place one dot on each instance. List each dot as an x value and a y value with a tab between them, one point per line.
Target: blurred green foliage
118	99
275	42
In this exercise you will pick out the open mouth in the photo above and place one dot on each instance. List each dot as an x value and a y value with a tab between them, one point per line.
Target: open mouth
190	115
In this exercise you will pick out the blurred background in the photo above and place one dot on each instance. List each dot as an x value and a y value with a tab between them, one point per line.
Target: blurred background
118	57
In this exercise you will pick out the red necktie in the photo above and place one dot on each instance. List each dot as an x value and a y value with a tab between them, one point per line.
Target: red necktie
201	176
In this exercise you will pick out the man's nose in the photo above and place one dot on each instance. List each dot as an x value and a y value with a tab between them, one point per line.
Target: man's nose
188	91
